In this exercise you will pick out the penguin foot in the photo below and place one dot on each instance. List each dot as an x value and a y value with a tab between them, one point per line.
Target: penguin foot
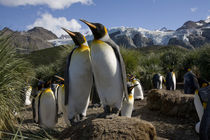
115	110
73	121
82	117
107	109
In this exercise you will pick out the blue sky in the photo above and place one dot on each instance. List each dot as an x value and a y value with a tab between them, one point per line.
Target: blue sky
149	14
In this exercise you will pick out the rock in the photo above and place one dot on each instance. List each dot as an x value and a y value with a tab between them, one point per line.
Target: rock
172	103
176	41
197	40
141	41
188	25
115	128
125	41
206	33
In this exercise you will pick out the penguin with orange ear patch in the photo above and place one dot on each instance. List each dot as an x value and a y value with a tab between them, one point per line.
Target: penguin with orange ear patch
45	107
78	78
108	69
127	106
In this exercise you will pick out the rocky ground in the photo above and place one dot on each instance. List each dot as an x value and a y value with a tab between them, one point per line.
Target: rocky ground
166	127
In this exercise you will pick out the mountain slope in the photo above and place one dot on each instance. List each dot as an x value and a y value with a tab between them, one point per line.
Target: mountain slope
26	42
191	35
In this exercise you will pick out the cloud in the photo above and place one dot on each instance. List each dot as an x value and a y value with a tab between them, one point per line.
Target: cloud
193	9
54	4
207	19
208	10
54	24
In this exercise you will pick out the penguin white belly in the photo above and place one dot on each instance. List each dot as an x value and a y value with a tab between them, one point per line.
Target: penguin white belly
198	106
48	109
27	95
174	81
61	105
107	74
127	106
61	99
80	83
138	92
161	82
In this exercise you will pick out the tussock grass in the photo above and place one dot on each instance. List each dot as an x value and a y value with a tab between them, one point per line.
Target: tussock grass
14	73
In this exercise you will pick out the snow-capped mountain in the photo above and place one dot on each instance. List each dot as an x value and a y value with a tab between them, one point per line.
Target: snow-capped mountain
190	35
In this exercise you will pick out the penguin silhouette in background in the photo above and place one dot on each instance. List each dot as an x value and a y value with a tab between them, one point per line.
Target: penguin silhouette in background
28	95
108	69
171	80
45	107
78	78
157	81
190	82
127	106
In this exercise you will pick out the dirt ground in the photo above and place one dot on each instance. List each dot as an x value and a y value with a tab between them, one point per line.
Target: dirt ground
167	127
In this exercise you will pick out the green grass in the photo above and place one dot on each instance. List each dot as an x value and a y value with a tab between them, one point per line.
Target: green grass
14	73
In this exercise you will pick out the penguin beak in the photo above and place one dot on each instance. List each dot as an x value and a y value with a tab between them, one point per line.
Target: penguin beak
88	23
59	77
133	86
69	32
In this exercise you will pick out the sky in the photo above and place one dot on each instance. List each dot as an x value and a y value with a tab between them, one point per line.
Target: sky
22	15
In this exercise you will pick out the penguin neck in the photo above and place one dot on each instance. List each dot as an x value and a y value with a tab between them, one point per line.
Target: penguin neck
104	38
84	46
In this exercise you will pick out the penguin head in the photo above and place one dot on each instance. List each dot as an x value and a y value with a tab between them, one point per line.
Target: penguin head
130	87
97	29
77	37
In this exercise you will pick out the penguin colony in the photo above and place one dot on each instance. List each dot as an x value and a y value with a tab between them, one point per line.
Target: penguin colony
103	62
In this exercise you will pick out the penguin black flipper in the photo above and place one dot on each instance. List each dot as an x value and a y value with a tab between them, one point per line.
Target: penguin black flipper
205	124
116	49
66	77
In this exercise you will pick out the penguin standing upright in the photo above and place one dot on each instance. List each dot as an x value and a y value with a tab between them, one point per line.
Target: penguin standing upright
78	78
127	106
45	107
201	98
28	95
171	80
190	82
138	91
108	69
157	81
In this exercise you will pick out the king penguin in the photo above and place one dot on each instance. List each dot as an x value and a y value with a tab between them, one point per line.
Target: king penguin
78	78
28	95
108	69
127	106
45	107
171	80
138	91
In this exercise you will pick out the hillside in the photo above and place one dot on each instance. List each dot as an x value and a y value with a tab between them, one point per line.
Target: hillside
31	40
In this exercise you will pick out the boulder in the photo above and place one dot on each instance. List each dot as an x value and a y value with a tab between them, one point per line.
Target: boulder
115	128
172	103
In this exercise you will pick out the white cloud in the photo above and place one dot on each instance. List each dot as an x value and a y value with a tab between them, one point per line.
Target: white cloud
208	10
54	4
54	24
207	19
193	9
